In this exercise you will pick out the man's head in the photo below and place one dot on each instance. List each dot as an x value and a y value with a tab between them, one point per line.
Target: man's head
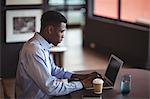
53	25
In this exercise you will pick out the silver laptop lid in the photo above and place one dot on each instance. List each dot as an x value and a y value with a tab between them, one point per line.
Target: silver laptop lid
114	65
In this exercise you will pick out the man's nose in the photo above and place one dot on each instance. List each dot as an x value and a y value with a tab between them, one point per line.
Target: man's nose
62	35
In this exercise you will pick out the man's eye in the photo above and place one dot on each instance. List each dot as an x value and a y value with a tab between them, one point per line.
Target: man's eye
62	31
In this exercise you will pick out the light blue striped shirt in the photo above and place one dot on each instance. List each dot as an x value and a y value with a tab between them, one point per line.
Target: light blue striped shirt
37	75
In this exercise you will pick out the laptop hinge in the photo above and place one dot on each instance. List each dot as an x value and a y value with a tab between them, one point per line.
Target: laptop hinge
108	81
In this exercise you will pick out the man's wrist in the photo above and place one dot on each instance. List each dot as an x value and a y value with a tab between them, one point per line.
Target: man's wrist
82	84
75	77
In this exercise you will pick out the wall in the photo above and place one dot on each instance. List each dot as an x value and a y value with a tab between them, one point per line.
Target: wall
9	52
131	44
0	35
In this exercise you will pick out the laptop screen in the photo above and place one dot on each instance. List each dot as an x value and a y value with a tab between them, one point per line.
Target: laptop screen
113	68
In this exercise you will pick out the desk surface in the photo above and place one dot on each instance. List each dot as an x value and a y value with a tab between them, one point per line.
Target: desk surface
140	86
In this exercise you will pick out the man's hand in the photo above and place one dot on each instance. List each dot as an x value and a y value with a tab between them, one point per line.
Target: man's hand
87	82
83	76
86	79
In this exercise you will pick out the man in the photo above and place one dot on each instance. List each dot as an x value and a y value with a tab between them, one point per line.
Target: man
37	75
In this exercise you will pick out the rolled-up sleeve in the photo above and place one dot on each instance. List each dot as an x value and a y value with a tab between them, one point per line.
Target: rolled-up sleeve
59	72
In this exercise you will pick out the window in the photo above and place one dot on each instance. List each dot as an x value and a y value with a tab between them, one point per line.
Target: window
106	8
56	2
75	2
73	10
133	11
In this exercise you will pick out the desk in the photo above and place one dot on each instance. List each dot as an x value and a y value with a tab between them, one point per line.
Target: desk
140	86
58	53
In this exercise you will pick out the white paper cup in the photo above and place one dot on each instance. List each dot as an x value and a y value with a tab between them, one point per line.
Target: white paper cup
98	85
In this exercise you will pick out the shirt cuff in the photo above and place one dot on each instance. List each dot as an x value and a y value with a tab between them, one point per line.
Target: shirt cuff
78	85
67	75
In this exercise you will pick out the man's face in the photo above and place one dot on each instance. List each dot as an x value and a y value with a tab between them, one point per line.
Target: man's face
57	33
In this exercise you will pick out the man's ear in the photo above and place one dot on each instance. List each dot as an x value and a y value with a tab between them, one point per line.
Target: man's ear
50	29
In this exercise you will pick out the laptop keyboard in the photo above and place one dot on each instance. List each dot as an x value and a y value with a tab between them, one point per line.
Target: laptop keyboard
106	83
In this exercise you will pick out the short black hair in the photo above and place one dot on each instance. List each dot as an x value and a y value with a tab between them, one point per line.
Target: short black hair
52	17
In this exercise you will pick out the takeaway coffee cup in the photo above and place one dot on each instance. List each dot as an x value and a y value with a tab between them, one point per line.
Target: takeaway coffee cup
98	85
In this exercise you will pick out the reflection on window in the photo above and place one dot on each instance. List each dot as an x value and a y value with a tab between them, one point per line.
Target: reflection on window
106	8
73	10
75	2
75	17
68	2
56	2
135	10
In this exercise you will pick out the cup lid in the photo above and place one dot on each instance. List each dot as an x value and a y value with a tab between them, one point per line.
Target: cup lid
98	80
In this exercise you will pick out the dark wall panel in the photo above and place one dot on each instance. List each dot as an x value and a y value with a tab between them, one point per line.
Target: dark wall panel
10	53
129	43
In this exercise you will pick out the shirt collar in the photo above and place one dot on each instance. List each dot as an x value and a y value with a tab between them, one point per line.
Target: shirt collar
43	42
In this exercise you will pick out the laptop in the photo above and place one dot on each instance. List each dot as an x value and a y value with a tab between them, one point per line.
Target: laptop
112	70
114	65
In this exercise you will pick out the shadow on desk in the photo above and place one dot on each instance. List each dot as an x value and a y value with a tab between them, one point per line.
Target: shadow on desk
68	96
